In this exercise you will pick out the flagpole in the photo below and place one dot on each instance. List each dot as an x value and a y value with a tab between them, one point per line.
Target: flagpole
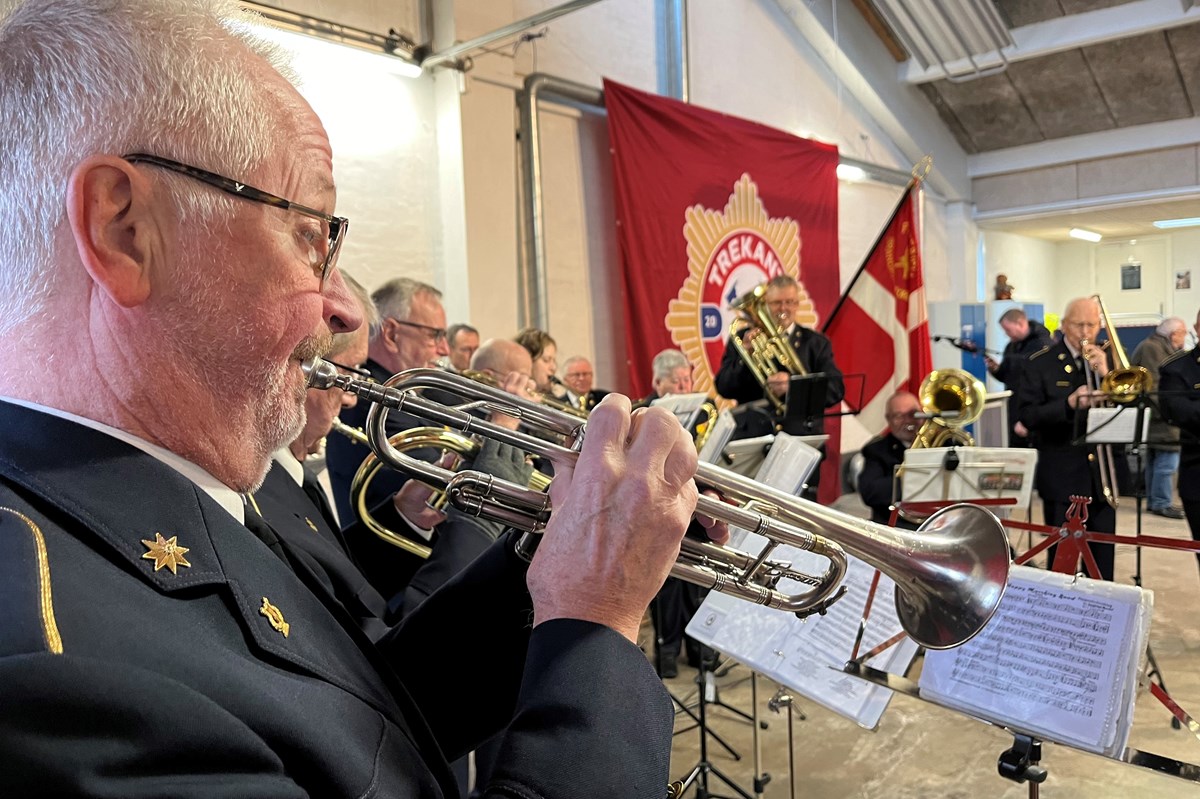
878	240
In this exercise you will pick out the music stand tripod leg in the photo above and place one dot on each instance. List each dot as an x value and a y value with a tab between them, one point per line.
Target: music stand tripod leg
699	773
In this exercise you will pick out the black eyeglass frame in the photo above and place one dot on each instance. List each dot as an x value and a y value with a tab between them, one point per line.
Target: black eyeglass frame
438	333
337	224
354	370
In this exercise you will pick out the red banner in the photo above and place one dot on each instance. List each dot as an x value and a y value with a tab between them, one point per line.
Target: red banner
880	328
708	207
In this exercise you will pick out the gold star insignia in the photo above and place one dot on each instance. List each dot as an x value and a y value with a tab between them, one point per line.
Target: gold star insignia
275	616
165	552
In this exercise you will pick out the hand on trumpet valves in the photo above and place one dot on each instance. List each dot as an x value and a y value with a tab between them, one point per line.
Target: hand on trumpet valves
412	503
748	340
619	515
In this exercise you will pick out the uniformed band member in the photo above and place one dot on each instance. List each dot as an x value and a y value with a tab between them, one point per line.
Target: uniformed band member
1179	399
877	484
153	643
579	381
463	341
1026	336
1053	395
735	381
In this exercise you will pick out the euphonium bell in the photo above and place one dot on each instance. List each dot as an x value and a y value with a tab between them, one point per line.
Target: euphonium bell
954	399
949	575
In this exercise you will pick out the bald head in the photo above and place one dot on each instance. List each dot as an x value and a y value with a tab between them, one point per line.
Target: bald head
1081	321
501	357
901	415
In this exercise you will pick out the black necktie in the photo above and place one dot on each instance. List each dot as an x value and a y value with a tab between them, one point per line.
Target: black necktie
256	524
317	494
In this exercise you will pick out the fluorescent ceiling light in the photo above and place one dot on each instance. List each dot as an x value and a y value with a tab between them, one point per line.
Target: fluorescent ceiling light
1086	235
851	173
1163	224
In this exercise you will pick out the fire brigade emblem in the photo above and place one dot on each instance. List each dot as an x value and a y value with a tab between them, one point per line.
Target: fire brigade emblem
729	253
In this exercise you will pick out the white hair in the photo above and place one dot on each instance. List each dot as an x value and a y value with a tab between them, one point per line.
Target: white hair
86	77
666	362
1169	325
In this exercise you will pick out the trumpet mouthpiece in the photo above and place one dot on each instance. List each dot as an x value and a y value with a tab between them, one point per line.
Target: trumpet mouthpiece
319	373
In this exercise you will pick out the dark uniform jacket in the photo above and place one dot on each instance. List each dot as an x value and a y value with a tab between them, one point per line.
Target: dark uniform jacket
122	680
288	509
1150	355
881	456
735	381
1015	360
1179	398
343	456
1062	470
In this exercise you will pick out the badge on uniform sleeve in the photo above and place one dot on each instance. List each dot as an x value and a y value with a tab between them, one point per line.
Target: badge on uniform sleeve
166	552
275	616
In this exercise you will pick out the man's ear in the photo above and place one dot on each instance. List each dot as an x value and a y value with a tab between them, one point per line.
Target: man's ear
110	210
387	334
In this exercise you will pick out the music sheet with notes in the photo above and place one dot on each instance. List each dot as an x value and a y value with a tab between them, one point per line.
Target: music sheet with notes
1060	660
807	655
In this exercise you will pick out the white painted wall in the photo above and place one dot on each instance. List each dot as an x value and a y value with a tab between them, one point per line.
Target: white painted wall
438	199
1027	263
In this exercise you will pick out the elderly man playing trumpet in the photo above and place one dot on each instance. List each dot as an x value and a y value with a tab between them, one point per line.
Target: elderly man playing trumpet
170	238
1056	390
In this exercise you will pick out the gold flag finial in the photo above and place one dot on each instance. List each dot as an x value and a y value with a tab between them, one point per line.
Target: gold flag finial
921	169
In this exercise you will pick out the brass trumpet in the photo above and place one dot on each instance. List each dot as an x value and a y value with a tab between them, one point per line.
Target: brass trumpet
949	575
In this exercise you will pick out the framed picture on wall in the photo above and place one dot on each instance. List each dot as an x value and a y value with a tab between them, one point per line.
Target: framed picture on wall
1183	280
1131	276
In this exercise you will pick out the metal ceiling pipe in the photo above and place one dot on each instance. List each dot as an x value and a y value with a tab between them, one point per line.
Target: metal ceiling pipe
533	284
675	48
521	25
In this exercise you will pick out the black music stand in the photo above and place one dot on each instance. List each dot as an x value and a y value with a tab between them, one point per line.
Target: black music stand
805	410
1139	407
699	773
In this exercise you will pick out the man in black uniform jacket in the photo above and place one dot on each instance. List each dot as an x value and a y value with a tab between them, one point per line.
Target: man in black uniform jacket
735	381
154	644
1026	336
882	455
410	333
1179	400
1052	401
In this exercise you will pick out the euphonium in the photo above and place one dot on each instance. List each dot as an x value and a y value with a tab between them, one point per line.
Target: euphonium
772	350
955	399
949	575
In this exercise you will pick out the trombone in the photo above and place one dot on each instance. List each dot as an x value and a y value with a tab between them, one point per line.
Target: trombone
1121	384
949	575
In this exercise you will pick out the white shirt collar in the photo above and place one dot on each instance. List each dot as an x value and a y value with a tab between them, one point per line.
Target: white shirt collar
290	463
222	494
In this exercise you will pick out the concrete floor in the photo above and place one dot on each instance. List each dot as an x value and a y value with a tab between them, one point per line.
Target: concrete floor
923	750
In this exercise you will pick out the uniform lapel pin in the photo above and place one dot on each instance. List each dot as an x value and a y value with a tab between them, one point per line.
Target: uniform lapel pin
165	552
275	616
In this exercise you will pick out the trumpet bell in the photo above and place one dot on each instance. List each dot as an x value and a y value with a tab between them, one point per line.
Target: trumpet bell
960	570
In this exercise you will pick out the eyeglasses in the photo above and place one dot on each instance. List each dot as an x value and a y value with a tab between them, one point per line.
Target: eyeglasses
434	334
334	227
357	371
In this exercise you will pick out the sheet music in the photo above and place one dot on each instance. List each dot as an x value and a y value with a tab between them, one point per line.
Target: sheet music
1059	660
807	655
717	439
1116	425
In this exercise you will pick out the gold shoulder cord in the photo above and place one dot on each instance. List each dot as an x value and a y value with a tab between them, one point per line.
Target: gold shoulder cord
49	626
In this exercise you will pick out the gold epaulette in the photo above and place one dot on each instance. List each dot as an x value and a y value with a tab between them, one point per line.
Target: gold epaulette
1042	351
